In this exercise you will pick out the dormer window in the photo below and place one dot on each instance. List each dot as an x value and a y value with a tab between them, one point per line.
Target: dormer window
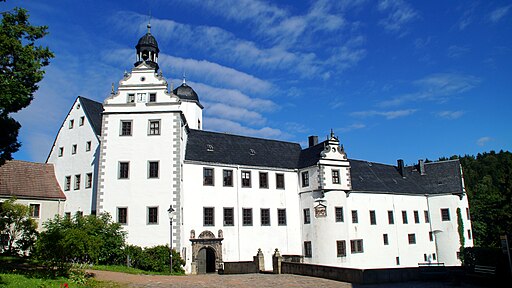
209	147
252	152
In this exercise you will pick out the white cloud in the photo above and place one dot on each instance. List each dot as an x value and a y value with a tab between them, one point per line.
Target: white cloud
499	13
483	141
386	114
436	87
450	114
352	127
234	113
400	14
232	127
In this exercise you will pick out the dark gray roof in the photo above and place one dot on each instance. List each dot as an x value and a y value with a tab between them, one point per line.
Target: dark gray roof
93	112
186	92
439	178
236	150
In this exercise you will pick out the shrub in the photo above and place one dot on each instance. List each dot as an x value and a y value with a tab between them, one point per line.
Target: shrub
17	229
154	259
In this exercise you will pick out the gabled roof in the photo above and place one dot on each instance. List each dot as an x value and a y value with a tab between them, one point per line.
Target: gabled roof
93	112
29	180
311	155
439	178
213	147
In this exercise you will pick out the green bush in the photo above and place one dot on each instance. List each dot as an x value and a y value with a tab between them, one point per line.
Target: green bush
153	259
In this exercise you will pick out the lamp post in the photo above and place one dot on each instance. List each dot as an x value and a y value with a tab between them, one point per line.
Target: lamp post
171	216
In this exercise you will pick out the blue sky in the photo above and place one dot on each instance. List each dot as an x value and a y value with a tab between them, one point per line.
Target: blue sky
394	79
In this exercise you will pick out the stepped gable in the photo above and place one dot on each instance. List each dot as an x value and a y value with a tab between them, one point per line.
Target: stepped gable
213	147
29	180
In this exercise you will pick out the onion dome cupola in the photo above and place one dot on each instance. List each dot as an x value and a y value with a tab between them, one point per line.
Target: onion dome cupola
147	50
185	92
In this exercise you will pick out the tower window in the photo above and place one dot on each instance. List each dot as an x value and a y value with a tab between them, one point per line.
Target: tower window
307	216
154	127
305	179
152	97
335	176
131	98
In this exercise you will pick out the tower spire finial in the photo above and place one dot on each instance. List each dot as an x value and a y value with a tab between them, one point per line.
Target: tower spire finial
184	78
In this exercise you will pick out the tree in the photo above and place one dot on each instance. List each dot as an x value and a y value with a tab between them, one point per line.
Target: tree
17	228
21	68
81	239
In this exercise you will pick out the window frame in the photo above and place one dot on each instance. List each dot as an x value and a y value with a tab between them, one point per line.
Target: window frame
81	121
263	178
304	179
130	98
88	180
373	217
67	183
404	217
385	238
265	217
88	146
208	216
121	172
227	174
356	246
208	178
119	215
152	98
61	151
308	249
341	248
280	183
335	176
151	169
74	147
228	220
391	217
247	219
246	179
355	218
411	238
338	214
307	215
445	214
416	216
281	218
149	220
427	216
126	128
71	123
154	130
78	179
33	208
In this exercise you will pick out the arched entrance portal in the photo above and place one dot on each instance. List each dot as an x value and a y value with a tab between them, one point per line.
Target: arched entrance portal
206	261
206	252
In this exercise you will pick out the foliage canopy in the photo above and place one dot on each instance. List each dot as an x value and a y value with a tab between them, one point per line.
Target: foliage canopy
18	230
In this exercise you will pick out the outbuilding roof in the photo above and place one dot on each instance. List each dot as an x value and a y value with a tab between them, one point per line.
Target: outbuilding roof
29	180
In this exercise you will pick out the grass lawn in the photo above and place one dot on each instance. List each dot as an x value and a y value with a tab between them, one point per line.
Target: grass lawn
20	280
130	270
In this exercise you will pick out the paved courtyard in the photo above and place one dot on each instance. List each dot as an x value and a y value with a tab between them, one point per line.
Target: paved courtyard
247	280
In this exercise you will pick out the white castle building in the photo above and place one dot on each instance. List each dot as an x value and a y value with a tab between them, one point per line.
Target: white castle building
143	151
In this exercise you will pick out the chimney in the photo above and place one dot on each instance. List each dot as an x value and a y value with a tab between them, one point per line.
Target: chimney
421	167
401	167
313	140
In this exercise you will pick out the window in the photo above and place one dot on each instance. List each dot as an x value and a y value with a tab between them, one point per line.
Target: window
280	181
88	146
126	128
263	180
427	218
307	249
122	215
124	170
67	215
354	216
404	217
341	248
88	180
265	217
131	98
67	183
397	260
246	179
338	212
154	127
71	123
307	216
152	97
416	217
335	176
431	236
467	214
356	246
391	218
208	216
373	218
229	217
305	179
141	97
227	178
469	234
247	216
77	182
73	149
152	215
281	217
445	214
61	151
385	238
153	169
35	210
412	238
82	120
208	176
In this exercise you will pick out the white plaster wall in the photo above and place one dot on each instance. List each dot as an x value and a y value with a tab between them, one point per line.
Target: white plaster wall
48	209
240	242
193	113
82	162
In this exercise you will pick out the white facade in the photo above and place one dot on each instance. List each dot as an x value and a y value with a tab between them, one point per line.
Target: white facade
74	155
144	163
